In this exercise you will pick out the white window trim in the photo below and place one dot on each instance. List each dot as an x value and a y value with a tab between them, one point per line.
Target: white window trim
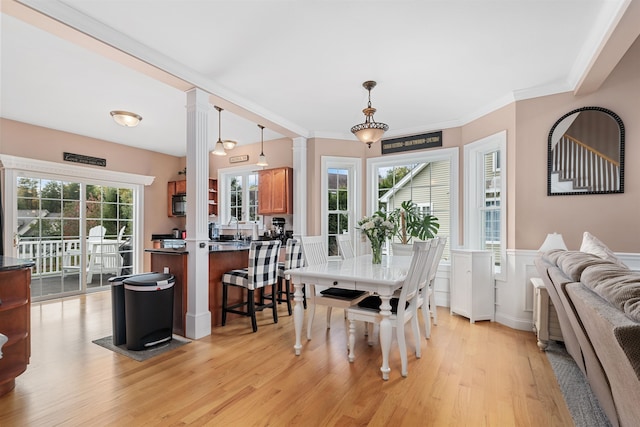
354	165
224	201
13	167
474	187
450	154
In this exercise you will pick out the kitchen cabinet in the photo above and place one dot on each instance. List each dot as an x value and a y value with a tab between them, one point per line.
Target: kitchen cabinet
176	188
15	316
275	191
472	284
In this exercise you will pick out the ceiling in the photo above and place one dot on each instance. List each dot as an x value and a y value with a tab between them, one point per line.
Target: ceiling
296	67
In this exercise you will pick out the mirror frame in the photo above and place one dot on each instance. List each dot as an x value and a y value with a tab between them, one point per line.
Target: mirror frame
612	115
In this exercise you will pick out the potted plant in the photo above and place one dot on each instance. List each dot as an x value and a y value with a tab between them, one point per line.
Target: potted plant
409	223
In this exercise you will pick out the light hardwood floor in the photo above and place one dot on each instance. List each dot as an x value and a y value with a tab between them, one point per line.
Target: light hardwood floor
469	375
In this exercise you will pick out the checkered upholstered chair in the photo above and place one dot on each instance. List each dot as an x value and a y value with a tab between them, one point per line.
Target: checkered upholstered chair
293	259
262	272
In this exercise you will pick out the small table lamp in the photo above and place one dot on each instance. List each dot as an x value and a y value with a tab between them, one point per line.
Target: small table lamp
553	241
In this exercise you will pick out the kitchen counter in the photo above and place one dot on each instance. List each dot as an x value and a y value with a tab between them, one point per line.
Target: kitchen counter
8	263
213	247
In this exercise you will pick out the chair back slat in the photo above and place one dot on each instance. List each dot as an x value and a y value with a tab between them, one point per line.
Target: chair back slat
263	263
442	242
346	246
313	250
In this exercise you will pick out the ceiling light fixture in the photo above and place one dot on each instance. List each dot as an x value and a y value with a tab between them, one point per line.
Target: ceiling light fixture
229	144
370	131
219	149
126	118
262	160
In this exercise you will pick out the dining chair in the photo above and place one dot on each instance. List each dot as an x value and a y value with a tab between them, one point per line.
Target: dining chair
345	245
424	290
314	253
404	309
261	272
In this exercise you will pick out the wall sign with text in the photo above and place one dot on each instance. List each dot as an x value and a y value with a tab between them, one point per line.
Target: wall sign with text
410	143
87	160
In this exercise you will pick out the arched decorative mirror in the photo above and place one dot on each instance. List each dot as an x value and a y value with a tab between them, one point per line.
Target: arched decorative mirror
586	153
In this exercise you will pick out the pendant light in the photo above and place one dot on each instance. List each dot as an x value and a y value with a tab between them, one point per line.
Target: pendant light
262	160
219	150
370	131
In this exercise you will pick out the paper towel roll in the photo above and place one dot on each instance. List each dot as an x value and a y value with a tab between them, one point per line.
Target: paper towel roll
254	234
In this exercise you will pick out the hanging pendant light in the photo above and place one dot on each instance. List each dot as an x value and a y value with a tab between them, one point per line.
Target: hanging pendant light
219	149
262	159
370	131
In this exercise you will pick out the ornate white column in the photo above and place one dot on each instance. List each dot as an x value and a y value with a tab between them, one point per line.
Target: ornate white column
198	317
300	186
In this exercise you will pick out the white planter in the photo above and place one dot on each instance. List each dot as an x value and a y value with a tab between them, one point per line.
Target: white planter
400	249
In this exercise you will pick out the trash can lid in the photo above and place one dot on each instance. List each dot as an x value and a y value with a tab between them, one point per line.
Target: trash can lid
149	279
118	280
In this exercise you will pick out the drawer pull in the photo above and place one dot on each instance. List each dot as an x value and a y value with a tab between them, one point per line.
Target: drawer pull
335	283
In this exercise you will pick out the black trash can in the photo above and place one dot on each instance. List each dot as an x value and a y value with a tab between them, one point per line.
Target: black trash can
148	309
117	310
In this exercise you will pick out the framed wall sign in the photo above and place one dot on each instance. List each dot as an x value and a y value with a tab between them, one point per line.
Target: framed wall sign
410	143
239	159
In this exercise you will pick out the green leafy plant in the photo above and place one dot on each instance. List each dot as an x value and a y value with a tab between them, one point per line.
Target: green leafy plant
409	222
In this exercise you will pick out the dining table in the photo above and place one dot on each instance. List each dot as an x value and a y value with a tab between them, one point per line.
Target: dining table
357	273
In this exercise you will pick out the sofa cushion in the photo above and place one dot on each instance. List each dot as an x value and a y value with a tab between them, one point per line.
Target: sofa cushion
592	245
573	263
620	287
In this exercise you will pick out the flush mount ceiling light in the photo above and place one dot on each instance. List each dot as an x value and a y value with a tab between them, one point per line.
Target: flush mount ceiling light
228	144
126	118
219	150
262	159
370	131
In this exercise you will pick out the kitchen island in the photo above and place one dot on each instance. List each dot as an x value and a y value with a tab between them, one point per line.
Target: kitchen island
223	256
15	319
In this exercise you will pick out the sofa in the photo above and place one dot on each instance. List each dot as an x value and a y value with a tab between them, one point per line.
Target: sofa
597	299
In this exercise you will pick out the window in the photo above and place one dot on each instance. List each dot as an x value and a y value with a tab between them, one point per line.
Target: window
429	179
238	194
340	213
485	190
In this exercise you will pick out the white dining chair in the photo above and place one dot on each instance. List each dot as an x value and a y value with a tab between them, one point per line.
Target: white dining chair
442	242
345	245
404	309
314	253
424	290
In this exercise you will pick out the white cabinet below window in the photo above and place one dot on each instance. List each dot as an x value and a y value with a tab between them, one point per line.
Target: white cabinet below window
472	284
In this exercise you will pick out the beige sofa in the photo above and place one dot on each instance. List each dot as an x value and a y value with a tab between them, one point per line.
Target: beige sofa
598	306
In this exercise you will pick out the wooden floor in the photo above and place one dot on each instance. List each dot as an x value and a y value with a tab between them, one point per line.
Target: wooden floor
469	375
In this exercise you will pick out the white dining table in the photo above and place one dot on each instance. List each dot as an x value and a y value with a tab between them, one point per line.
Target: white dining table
358	274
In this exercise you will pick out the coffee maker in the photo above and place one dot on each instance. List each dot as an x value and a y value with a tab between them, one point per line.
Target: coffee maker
278	228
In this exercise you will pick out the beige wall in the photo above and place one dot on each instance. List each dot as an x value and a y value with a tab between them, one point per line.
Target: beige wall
23	140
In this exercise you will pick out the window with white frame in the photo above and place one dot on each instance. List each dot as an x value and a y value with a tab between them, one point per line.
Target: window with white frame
428	178
485	192
238	194
339	202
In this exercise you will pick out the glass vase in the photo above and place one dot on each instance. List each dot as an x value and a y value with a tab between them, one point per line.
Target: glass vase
376	253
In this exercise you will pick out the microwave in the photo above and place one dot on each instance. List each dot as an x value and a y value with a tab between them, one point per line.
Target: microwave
179	204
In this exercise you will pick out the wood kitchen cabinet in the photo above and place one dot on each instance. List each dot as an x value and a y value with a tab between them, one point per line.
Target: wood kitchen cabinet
472	284
180	187
275	191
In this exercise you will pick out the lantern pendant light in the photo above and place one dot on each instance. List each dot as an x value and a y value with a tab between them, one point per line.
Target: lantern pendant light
262	159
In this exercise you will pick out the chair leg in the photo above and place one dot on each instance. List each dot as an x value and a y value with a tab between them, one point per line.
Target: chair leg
369	333
426	313
287	286
251	307
312	313
274	305
432	306
402	344
224	304
415	326
329	317
352	340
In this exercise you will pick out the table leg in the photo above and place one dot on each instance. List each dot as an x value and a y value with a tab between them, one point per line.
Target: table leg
298	315
385	335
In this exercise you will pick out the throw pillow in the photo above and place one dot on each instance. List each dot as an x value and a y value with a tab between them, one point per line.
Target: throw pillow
592	245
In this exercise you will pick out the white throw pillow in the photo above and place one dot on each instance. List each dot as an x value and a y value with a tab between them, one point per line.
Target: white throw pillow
592	245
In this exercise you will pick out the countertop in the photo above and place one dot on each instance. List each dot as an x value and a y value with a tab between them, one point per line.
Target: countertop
213	247
8	263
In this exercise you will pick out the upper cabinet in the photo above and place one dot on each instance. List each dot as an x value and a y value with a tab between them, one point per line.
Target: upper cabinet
275	191
177	197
